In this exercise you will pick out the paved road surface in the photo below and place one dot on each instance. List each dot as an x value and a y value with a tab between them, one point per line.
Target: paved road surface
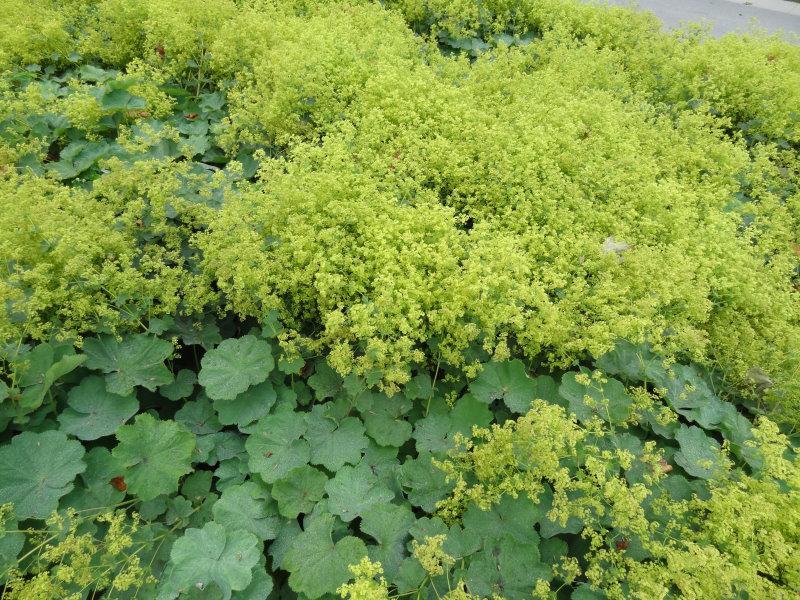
725	15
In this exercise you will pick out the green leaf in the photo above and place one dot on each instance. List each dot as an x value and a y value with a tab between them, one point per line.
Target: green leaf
738	430
286	536
260	587
388	524
155	454
318	565
512	518
120	99
96	489
508	568
690	395
334	444
423	482
136	360
383	419
45	364
699	455
275	447
182	387
299	490
96	74
36	469
93	412
235	365
546	388
11	542
198	416
353	490
435	433
246	507
608	401
248	406
213	555
325	381
634	363
507	381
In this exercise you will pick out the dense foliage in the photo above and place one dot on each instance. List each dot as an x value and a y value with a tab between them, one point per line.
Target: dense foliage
412	298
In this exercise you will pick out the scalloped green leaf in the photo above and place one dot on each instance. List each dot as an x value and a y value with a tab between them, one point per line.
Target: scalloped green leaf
134	360
507	381
248	406
235	365
325	381
36	469
423	482
317	565
299	490
436	432
609	401
215	555
275	446
247	507
334	444
353	490
700	455
155	454
388	524
93	412
182	387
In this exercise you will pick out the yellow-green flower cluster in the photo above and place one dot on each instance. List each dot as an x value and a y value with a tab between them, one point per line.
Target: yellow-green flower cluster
64	561
742	539
601	181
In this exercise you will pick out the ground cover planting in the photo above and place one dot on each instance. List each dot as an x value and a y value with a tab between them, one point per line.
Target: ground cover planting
409	299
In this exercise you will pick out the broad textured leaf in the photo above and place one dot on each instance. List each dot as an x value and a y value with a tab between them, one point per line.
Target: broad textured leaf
36	469
507	568
318	565
11	542
388	524
299	490
260	587
182	387
334	444
213	554
235	365
384	421
423	482
546	388
353	490
435	433
246	507
690	395
136	360
738	430
512	518
699	454
325	381
634	362
44	365
608	401
93	411
120	99
155	454
199	417
248	406
505	381
97	482
275	447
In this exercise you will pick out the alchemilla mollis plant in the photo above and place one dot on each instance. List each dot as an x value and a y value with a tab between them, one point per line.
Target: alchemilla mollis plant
405	299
